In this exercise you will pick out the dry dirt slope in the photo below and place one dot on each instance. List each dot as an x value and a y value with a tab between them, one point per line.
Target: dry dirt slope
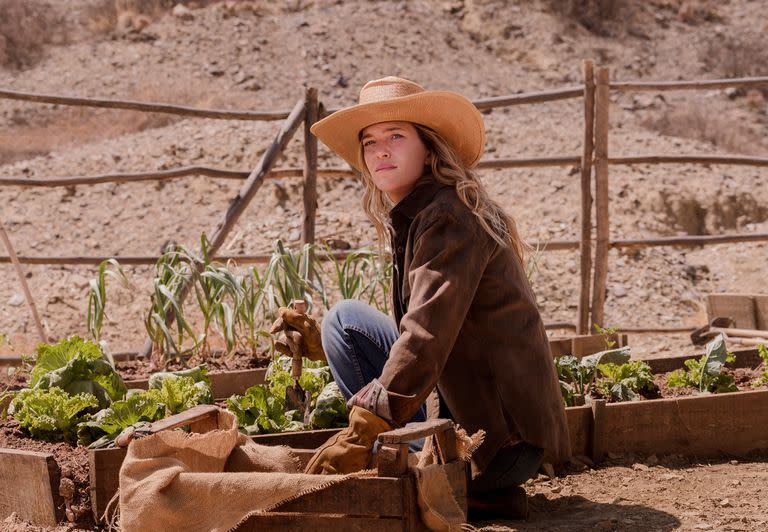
261	59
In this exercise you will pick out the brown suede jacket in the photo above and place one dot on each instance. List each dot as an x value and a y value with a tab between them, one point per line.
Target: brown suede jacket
469	325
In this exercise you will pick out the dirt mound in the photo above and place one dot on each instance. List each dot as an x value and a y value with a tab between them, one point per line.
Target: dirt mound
719	212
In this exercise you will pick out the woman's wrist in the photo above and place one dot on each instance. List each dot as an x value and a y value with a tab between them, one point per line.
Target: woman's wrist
374	398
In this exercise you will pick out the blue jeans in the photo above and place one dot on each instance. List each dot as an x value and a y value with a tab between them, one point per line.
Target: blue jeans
356	340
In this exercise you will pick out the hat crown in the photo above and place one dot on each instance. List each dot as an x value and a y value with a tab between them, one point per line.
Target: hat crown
383	89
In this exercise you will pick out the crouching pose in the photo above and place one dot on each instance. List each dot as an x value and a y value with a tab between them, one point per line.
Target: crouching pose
466	321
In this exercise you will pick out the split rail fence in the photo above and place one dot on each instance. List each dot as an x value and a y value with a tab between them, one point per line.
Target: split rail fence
593	268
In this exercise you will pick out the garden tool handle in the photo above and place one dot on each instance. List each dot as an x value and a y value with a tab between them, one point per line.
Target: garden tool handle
200	418
442	429
299	305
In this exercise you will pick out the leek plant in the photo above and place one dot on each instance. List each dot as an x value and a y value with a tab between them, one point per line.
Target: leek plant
97	295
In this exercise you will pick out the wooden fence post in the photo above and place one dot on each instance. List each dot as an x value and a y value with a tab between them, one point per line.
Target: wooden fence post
310	169
602	247
23	281
585	243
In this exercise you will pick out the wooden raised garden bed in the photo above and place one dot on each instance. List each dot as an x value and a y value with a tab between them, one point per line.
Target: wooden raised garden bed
732	423
224	384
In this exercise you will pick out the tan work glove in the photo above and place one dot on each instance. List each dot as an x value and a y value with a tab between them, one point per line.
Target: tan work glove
308	338
349	450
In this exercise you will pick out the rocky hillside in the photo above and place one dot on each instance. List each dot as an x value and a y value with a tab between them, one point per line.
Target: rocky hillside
259	55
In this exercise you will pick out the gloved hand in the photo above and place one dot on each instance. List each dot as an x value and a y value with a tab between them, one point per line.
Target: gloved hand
349	450
308	337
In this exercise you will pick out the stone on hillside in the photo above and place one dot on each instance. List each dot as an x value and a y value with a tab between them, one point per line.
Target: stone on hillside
182	12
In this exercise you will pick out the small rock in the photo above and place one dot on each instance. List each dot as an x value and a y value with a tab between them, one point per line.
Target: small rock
734	462
640	467
182	12
548	469
619	291
725	503
703	526
16	300
294	235
556	489
671	476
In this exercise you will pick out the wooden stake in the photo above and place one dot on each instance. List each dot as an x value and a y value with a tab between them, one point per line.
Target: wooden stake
585	245
602	247
310	169
23	281
247	191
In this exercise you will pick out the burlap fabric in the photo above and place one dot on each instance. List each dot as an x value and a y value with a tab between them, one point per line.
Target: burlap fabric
213	481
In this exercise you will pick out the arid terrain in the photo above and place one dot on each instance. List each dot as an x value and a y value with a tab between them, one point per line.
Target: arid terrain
261	55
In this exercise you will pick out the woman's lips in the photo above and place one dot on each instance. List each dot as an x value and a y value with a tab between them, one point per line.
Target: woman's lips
385	167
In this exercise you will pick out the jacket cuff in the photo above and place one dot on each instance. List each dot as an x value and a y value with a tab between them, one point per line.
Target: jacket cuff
374	398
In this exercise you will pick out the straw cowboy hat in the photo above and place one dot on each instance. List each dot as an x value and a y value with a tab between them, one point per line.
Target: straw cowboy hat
451	115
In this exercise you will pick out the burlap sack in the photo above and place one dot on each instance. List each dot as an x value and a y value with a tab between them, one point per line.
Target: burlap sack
178	481
214	481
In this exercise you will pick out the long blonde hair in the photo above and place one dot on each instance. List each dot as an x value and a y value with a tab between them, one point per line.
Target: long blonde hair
448	169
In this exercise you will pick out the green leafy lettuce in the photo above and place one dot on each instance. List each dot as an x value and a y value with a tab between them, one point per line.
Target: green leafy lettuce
178	394
136	409
77	366
330	409
261	408
52	414
577	375
622	382
705	374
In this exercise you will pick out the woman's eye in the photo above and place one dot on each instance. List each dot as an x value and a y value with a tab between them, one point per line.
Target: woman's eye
396	136
367	143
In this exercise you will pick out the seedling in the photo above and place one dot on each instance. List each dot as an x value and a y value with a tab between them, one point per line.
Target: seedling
97	295
762	351
623	382
607	333
577	376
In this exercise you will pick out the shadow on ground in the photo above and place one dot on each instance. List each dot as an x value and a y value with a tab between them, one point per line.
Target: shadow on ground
575	513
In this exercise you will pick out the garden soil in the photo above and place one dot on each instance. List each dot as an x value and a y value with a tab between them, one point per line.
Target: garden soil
260	56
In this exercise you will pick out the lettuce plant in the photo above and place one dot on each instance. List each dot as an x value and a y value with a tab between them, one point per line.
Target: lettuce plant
622	382
77	366
705	374
577	376
52	414
330	408
108	423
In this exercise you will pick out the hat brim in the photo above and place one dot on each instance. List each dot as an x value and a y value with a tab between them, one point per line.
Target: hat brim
451	115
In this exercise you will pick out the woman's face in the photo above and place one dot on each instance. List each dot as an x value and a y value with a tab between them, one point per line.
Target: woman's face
395	156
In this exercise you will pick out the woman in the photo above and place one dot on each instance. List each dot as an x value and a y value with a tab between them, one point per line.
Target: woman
466	321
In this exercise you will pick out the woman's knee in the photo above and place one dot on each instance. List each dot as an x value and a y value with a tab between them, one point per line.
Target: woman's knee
340	315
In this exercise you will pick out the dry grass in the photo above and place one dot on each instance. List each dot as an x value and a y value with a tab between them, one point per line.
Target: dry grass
737	55
699	122
26	26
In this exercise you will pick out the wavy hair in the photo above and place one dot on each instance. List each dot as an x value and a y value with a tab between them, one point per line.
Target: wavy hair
448	169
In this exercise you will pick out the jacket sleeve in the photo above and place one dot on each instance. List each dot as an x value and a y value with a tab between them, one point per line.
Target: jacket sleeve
449	258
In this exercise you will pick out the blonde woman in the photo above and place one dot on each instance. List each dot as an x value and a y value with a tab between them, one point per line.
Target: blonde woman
466	322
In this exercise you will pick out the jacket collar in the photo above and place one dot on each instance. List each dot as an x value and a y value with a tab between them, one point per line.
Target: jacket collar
422	194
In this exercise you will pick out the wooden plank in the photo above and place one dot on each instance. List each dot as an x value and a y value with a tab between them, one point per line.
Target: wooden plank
745	358
224	384
310	168
602	198
29	486
579	419
307	439
761	311
599	430
392	460
104	476
584	344
585	240
730	423
320	523
739	307
372	497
